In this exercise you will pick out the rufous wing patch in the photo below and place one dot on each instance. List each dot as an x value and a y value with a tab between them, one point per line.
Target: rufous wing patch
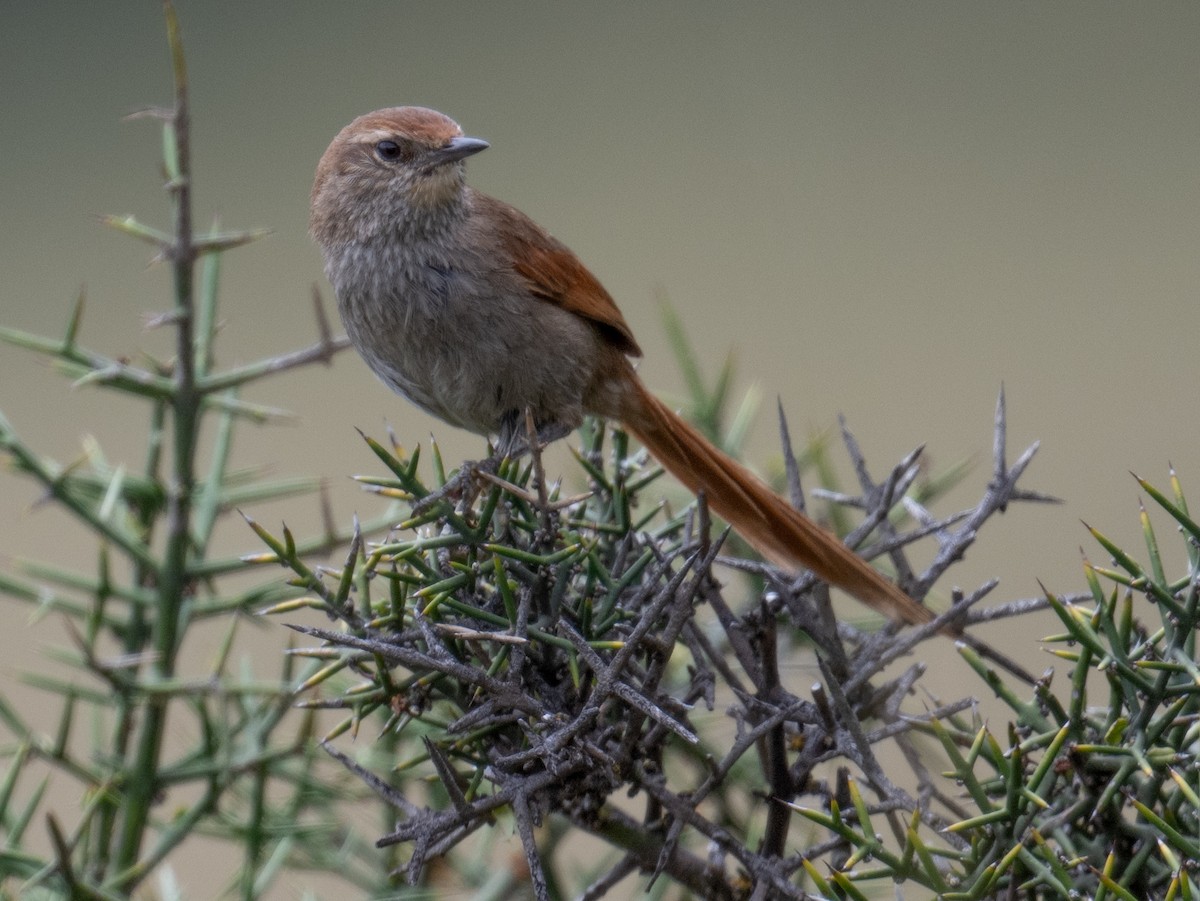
556	275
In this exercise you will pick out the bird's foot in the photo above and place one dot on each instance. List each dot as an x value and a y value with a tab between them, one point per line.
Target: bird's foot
463	484
518	435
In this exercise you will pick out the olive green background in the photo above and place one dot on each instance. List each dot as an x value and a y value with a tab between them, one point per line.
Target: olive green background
884	209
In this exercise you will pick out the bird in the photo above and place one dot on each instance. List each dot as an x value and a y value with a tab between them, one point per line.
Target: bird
468	308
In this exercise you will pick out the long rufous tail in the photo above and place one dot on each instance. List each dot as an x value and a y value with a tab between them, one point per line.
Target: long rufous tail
778	531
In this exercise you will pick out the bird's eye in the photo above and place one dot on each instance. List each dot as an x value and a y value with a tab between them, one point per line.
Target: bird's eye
388	151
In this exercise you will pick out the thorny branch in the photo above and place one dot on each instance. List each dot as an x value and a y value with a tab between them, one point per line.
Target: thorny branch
568	671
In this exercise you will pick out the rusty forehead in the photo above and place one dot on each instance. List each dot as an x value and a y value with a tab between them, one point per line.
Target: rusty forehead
415	122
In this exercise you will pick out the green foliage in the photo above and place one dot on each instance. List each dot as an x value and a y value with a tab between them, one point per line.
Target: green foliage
253	777
1093	790
506	603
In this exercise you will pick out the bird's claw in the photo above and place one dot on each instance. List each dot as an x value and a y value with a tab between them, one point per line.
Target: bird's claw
464	483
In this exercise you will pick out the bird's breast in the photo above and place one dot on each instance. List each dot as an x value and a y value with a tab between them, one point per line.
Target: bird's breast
463	339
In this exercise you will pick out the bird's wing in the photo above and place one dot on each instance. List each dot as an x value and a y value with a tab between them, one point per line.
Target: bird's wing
555	274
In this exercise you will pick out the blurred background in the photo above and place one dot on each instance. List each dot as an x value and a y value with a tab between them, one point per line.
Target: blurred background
884	210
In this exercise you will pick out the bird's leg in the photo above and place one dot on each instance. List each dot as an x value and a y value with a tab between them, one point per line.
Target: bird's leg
519	429
460	485
512	443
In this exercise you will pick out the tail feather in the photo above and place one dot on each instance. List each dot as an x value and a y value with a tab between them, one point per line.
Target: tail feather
777	530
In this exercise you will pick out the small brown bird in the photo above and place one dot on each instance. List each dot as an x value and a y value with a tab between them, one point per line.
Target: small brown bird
472	311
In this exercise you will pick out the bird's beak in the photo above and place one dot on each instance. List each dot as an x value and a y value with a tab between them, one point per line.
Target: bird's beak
457	149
